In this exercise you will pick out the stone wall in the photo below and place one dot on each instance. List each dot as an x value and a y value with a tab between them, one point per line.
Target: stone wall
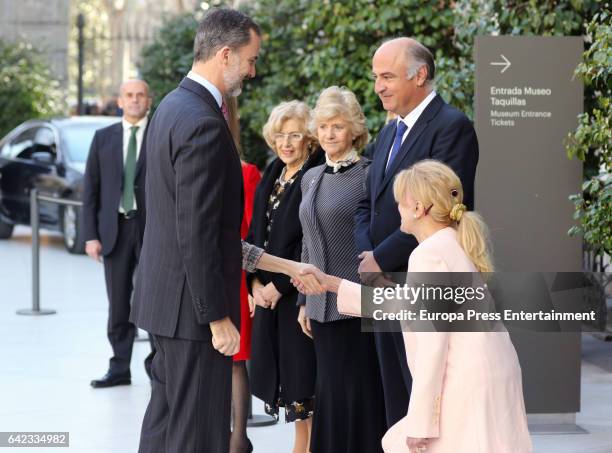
43	24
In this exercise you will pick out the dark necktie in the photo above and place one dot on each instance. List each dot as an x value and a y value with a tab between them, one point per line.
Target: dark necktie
129	171
397	144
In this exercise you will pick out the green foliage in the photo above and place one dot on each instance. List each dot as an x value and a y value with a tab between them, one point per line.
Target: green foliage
593	137
168	58
27	89
310	45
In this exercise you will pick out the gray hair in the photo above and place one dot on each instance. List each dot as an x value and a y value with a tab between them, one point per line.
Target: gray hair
222	27
418	55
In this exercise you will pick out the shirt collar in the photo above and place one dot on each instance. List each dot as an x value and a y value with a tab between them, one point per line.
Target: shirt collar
208	85
142	124
413	116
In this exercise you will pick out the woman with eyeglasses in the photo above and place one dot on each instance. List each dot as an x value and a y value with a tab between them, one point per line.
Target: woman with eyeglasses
282	357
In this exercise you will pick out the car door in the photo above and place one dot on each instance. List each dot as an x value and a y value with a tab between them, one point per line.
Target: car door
23	165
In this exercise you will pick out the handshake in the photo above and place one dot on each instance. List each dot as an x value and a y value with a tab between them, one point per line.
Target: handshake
307	279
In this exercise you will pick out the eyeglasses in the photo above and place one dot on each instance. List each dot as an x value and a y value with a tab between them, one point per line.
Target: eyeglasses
293	137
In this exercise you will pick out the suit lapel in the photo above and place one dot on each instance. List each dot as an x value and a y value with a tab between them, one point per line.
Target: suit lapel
413	135
142	155
207	97
117	152
382	153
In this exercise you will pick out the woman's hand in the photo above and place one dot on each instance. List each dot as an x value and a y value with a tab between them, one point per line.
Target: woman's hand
327	282
304	321
416	444
258	297
251	305
271	295
302	279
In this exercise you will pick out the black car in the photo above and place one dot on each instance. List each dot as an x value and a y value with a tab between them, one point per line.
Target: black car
49	155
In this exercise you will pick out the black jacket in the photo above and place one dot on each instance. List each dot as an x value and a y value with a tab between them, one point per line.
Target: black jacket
103	186
286	234
442	133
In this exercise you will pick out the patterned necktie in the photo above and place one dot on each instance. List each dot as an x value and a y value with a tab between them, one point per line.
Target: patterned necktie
397	144
225	111
129	171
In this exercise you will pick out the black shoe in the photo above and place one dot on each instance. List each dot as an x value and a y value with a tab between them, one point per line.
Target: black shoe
111	380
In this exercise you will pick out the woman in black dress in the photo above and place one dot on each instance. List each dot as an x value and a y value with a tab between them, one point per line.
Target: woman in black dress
349	412
282	357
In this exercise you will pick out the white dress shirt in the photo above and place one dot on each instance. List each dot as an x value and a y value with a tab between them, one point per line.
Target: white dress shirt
411	119
208	85
127	132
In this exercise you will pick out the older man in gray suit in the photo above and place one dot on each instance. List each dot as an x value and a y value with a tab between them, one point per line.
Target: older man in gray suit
187	289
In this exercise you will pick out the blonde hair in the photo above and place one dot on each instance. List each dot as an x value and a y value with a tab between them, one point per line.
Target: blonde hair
292	110
335	101
435	184
233	120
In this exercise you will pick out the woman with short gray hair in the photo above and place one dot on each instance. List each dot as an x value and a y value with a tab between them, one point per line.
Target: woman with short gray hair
350	413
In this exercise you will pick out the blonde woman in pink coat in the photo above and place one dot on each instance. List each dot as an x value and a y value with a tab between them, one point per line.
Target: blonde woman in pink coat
467	394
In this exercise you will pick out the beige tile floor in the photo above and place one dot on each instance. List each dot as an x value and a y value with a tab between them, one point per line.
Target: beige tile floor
46	364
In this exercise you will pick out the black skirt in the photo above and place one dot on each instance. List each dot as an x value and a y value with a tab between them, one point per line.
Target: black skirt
282	358
349	411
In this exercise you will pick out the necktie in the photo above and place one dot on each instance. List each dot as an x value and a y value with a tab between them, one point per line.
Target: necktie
129	171
225	111
397	144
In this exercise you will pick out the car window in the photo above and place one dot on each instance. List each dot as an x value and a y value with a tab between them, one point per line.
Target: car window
21	143
77	140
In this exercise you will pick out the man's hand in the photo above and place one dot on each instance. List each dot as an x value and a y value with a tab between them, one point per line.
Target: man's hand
94	249
416	445
304	321
225	337
368	263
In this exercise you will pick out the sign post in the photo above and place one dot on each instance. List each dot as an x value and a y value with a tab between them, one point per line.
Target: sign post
527	101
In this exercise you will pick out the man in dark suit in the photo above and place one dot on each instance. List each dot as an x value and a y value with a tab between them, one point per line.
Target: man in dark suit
188	282
426	128
114	219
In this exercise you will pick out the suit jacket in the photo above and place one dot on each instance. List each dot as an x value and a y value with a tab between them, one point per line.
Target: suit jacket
285	238
442	133
103	187
190	263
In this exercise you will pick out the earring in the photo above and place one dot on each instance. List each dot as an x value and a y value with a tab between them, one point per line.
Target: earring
416	216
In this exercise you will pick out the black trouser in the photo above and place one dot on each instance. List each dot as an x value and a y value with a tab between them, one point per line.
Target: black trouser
119	267
396	378
189	410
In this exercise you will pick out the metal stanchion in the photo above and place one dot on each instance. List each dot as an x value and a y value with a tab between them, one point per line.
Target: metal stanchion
35	224
35	310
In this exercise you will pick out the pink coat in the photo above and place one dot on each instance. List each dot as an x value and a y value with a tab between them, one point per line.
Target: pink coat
467	394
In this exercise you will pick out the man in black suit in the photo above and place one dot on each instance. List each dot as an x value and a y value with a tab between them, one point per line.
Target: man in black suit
114	219
426	128
188	282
